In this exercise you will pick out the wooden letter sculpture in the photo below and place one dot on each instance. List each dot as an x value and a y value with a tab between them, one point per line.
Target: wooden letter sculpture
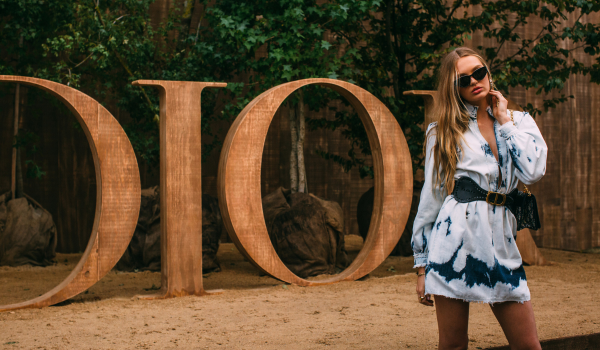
118	192
180	186
429	97
239	181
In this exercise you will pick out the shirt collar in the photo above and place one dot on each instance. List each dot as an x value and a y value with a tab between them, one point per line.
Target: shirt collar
473	110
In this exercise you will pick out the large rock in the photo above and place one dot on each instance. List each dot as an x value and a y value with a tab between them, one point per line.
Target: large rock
143	252
306	231
27	233
364	210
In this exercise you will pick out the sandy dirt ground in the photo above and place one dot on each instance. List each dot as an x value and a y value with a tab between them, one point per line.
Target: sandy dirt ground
258	312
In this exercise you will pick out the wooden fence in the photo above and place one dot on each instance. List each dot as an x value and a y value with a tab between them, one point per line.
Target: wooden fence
567	196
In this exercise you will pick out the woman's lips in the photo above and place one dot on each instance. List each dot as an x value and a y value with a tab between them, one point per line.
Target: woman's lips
477	90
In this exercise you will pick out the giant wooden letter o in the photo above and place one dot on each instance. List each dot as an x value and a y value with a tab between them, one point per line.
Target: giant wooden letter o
118	192
239	181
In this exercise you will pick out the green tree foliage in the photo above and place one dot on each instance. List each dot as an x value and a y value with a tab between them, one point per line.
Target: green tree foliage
386	47
100	48
400	44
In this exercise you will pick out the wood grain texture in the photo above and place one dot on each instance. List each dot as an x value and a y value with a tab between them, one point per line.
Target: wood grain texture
117	199
567	196
180	186
530	253
527	247
240	187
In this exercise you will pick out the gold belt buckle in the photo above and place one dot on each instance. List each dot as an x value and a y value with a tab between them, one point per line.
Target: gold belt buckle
495	196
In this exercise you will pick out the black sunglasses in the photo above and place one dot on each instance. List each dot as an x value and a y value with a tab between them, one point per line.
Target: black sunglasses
478	74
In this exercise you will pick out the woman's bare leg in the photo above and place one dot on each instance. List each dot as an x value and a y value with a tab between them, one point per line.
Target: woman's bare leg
453	323
518	324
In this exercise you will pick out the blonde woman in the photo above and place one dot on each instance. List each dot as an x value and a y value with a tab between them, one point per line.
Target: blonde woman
465	251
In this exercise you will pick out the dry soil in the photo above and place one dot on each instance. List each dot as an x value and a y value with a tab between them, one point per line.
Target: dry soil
259	312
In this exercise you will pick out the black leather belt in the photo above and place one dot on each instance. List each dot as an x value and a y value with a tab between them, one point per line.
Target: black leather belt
467	190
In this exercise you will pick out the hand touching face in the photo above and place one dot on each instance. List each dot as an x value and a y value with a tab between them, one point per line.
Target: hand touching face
477	90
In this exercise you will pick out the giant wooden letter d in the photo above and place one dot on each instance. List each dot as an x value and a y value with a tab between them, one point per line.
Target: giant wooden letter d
117	192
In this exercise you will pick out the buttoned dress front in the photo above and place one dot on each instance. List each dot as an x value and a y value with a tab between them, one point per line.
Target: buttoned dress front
469	249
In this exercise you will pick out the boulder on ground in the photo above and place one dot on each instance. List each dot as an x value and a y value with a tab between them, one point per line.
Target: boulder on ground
143	252
27	233
307	232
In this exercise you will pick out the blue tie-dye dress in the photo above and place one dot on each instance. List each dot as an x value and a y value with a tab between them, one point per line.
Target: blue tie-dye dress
469	249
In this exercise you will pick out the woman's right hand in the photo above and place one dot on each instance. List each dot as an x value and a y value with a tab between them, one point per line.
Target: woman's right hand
423	299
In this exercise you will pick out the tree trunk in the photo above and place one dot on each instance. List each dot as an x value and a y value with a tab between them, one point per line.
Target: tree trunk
16	181
302	186
294	149
16	168
389	14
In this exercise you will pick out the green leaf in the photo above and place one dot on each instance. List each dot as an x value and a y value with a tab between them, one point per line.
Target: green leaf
325	44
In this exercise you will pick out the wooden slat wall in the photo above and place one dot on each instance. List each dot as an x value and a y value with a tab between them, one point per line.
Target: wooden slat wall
325	179
68	190
568	195
7	112
76	185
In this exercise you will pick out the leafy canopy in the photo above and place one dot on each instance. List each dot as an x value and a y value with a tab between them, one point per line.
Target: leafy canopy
384	46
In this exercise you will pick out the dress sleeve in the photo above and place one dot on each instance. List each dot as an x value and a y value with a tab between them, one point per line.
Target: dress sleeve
430	203
527	148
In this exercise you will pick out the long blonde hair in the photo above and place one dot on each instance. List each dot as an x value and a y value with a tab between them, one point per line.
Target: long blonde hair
452	118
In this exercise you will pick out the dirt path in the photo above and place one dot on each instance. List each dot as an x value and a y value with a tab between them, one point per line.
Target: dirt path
258	312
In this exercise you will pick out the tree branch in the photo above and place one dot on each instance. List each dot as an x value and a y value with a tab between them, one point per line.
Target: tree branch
449	17
121	60
300	117
392	52
504	41
520	50
455	7
85	59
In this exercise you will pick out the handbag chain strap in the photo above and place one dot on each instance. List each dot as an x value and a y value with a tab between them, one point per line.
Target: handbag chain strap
513	121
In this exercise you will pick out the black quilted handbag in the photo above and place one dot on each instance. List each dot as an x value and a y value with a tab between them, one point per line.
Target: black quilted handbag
525	210
525	207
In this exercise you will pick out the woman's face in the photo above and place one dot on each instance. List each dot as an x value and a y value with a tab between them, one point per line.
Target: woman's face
478	90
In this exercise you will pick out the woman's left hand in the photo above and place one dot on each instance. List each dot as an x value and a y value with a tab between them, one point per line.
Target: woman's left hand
499	107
